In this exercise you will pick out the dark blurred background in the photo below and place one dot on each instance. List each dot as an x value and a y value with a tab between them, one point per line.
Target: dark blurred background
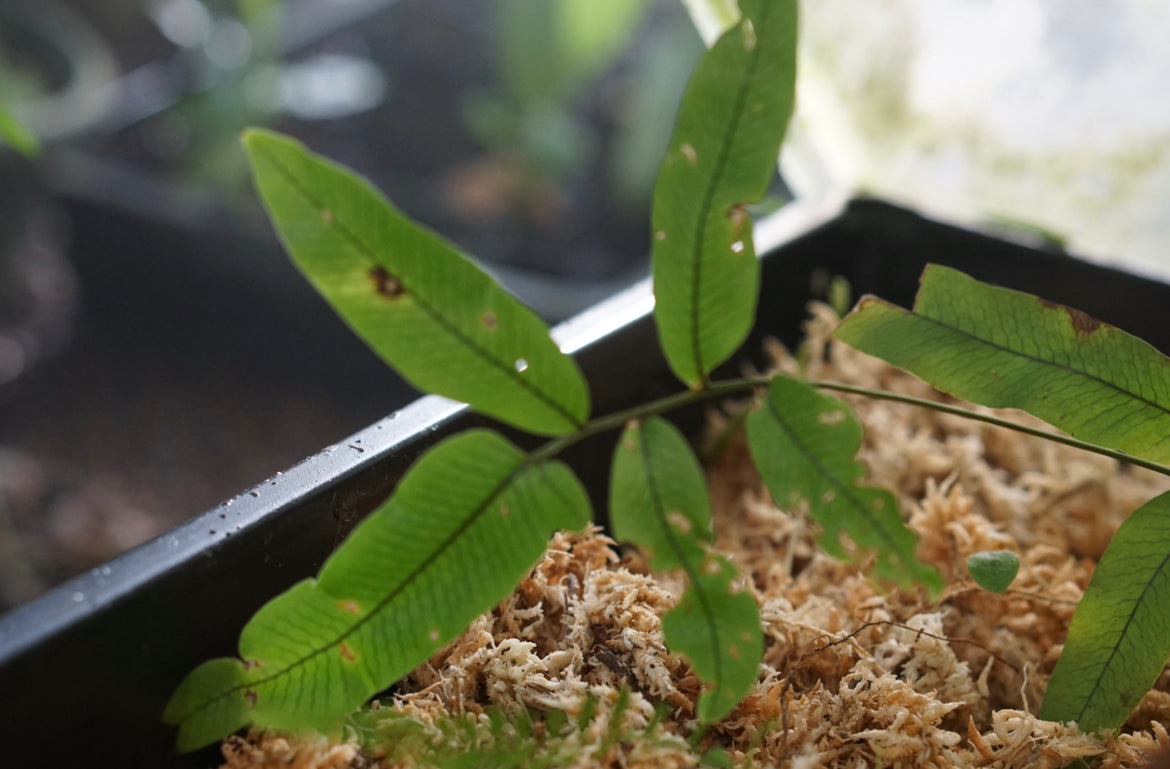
157	352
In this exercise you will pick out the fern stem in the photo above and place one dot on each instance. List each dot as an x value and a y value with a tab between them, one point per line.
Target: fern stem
731	387
945	408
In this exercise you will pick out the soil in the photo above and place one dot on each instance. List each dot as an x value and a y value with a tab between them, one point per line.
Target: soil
853	675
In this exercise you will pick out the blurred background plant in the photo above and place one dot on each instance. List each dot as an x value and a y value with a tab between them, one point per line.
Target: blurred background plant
157	351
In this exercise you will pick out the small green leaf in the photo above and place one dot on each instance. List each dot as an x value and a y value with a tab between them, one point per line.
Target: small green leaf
1119	640
427	310
994	570
659	500
1008	349
16	135
655	471
721	158
466	523
804	444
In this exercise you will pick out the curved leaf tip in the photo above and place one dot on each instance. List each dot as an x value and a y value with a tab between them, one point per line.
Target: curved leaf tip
722	156
659	501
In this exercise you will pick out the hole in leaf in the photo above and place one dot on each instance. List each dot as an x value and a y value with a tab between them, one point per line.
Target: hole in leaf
831	418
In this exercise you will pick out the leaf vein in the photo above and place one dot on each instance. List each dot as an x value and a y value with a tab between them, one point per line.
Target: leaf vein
1108	660
297	666
676	546
370	255
721	163
846	489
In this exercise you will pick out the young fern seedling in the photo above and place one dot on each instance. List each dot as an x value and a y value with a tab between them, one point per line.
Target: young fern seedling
474	513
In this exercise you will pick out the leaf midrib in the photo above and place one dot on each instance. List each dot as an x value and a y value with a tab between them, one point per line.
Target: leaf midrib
1108	662
676	546
1052	364
847	490
728	140
381	604
369	254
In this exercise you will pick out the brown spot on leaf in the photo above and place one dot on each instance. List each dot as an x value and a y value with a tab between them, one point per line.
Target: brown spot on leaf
489	320
350	607
386	284
251	697
347	653
1082	323
741	220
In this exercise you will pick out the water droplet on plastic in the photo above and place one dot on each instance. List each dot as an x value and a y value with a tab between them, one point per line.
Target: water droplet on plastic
106	571
172	542
521	365
77	597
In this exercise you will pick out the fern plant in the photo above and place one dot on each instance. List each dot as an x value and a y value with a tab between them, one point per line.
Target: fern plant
476	511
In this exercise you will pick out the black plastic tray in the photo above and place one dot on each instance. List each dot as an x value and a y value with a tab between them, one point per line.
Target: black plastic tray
85	670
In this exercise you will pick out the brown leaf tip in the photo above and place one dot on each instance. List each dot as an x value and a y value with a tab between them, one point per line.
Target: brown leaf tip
386	284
